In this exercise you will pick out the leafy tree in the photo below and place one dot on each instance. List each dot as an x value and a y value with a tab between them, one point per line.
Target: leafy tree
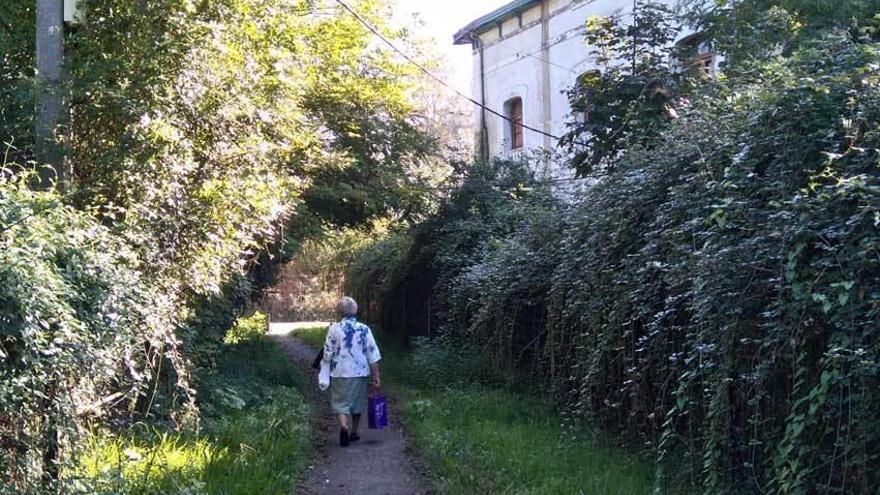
208	139
17	23
360	96
633	94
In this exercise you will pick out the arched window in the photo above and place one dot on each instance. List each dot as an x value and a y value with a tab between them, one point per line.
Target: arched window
513	110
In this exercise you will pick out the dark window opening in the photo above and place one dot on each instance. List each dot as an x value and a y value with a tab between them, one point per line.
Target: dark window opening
695	55
514	112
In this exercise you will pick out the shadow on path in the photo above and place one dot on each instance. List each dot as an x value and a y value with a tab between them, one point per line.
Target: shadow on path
380	463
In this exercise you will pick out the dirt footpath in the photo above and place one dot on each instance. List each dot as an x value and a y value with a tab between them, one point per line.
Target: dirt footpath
380	463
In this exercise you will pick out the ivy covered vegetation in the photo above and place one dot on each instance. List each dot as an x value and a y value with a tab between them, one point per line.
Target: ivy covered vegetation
710	293
713	291
207	141
255	436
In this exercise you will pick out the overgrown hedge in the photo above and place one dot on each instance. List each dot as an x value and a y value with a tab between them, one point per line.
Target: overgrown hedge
715	294
205	147
82	332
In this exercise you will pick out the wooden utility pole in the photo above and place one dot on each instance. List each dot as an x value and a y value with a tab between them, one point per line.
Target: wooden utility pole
50	101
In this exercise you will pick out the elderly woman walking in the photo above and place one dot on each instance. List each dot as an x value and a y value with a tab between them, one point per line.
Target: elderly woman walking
351	357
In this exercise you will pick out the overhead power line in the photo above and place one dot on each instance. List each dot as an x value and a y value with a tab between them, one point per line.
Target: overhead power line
523	56
580	30
443	83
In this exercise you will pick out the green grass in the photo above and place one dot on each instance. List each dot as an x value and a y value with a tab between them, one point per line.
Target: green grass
483	440
256	437
478	437
314	336
489	439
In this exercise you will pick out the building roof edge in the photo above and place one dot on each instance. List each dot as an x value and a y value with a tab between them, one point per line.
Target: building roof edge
465	34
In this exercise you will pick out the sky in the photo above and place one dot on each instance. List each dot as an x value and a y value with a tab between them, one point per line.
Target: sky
442	19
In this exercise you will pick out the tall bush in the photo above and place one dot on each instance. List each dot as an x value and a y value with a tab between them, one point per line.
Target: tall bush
714	295
205	139
82	333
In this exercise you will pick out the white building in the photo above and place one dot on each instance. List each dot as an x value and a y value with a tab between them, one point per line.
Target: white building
72	11
527	54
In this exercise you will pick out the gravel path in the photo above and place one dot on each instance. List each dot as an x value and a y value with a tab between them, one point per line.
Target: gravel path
380	463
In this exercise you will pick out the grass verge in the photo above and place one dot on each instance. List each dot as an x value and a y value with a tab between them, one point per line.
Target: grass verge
256	436
484	440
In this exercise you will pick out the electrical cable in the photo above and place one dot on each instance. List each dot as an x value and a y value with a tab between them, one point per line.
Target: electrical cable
522	56
443	83
561	38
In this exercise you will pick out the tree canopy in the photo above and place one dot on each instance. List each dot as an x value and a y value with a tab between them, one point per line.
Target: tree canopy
207	140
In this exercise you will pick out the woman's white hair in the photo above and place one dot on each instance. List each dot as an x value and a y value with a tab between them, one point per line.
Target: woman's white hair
347	307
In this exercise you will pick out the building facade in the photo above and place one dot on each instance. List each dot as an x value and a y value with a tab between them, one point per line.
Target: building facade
526	55
72	11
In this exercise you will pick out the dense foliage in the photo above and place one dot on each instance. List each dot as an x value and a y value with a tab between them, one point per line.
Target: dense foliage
714	294
256	436
207	141
17	25
401	280
81	332
247	329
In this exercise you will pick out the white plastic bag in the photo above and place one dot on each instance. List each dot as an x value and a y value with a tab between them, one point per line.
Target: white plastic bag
324	376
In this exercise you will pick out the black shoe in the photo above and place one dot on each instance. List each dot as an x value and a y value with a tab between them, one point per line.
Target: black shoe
343	437
354	437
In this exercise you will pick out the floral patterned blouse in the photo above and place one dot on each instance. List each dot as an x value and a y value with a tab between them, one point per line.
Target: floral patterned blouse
350	349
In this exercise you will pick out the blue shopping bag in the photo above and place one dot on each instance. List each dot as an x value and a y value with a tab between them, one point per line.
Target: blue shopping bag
377	411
